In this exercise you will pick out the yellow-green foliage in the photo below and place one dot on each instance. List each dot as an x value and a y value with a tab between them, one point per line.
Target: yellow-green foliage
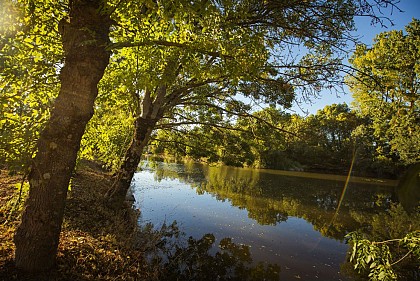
393	245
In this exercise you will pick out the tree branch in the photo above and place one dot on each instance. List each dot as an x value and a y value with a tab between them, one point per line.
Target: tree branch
239	114
129	44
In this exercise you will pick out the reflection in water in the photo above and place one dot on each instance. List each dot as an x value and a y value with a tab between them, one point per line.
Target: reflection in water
278	219
271	199
409	188
231	262
197	260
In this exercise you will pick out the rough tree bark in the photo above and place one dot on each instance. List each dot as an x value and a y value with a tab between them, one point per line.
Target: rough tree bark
143	127
85	38
142	131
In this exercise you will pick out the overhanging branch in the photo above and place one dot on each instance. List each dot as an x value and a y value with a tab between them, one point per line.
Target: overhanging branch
240	114
129	44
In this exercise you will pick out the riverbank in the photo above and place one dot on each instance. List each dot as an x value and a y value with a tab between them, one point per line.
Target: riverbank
100	243
391	174
96	243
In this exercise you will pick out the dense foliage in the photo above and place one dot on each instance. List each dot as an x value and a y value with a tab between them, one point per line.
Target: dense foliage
30	55
381	130
390	249
207	55
386	89
326	141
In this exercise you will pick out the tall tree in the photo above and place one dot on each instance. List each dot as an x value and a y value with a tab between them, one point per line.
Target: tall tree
84	39
386	89
175	71
269	27
245	48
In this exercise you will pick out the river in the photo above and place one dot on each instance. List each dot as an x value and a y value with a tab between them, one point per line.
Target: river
287	222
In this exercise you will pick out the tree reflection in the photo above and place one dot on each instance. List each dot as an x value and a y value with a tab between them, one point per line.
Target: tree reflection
199	260
271	199
409	188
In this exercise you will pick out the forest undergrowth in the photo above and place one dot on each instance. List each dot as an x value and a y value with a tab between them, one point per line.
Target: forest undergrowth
97	242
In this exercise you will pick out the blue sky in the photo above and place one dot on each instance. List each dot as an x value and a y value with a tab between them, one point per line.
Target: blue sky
410	9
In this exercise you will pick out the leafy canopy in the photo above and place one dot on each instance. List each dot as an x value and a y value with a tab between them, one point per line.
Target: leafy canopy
386	87
214	50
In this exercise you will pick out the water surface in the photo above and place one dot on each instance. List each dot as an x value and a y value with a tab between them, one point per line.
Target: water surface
285	218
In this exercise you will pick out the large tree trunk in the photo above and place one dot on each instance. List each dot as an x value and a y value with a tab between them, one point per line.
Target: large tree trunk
84	38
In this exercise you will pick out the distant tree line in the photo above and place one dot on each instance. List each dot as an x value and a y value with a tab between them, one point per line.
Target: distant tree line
326	141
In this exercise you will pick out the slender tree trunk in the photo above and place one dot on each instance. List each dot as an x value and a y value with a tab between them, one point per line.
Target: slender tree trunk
142	132
144	125
152	112
84	39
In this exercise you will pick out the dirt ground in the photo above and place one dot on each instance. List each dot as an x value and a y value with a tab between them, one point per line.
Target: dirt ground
96	242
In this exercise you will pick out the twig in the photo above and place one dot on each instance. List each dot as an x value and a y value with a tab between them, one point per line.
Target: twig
409	252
